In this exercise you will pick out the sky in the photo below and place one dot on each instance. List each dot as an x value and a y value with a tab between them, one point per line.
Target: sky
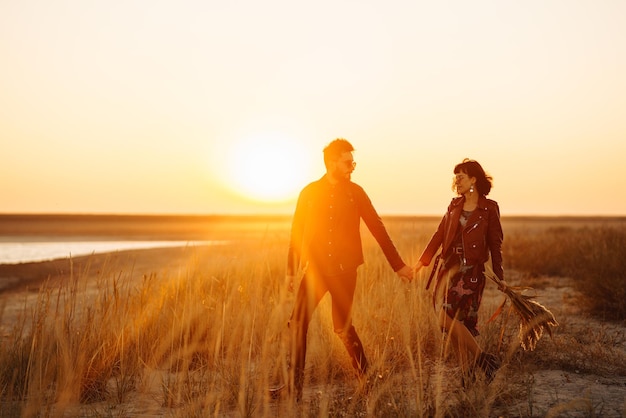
224	107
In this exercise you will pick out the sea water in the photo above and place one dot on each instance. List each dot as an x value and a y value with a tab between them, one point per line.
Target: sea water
26	252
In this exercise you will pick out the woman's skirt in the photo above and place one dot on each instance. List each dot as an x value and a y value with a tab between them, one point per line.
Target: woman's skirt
462	294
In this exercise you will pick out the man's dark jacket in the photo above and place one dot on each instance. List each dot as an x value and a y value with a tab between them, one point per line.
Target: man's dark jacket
325	232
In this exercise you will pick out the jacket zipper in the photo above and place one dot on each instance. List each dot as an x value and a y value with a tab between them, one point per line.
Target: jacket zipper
463	241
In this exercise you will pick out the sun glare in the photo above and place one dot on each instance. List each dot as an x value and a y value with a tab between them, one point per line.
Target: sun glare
268	167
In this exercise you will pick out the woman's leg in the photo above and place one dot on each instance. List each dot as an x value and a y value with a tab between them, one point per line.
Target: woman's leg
463	342
461	304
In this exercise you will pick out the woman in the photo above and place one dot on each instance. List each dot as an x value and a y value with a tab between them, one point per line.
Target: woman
468	233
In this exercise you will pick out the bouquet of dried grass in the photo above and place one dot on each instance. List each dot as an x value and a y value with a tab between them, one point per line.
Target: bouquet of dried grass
535	318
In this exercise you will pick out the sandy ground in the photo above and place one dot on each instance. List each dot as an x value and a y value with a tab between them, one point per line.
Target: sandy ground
573	393
550	391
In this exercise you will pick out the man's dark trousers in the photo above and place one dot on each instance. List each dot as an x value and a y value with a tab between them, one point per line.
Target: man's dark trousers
312	289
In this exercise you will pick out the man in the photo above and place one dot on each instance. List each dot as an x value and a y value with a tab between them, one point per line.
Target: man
326	244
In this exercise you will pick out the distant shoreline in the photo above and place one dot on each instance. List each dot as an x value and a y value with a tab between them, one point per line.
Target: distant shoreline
135	227
4	217
33	251
134	217
86	227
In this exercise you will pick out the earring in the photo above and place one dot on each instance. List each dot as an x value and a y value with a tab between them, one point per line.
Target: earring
472	188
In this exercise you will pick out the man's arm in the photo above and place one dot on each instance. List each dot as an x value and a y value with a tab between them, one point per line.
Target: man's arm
377	228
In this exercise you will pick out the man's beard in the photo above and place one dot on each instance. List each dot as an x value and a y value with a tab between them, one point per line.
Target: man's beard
341	176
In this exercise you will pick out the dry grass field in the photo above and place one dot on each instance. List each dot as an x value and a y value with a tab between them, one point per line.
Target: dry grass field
200	331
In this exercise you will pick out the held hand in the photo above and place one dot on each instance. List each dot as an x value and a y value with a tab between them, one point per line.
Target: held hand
405	273
418	267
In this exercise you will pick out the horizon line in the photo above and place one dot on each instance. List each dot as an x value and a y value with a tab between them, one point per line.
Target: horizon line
280	214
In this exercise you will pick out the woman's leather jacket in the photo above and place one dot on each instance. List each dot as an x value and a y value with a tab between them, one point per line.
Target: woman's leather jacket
481	236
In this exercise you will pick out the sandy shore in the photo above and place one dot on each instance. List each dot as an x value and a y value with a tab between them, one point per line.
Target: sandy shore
29	277
20	284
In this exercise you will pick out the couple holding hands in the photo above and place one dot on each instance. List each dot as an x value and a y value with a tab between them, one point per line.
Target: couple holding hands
326	243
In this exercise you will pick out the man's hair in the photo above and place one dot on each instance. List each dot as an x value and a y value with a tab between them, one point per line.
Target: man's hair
333	151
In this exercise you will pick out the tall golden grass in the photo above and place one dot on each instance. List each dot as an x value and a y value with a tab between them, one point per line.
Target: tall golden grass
208	339
593	254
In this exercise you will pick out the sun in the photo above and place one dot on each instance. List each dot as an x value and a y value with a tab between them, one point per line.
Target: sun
268	167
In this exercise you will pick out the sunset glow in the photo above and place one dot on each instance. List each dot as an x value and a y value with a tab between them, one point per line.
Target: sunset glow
171	107
267	167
